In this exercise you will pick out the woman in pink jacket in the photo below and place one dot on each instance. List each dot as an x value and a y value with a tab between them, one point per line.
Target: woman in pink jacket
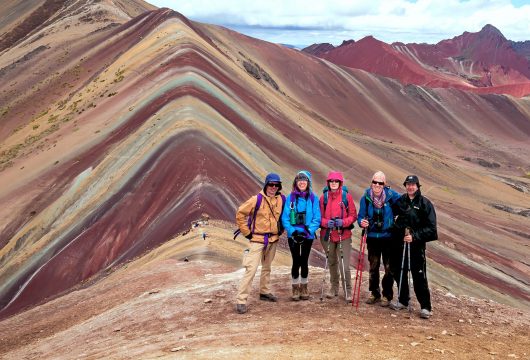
338	215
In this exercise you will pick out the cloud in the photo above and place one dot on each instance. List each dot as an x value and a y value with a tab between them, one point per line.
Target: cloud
390	20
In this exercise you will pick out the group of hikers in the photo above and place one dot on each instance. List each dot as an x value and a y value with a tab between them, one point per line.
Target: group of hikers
396	229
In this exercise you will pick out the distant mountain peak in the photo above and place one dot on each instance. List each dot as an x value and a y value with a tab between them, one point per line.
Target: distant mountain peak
318	49
490	29
347	42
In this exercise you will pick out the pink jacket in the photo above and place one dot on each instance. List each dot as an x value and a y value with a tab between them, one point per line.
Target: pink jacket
335	209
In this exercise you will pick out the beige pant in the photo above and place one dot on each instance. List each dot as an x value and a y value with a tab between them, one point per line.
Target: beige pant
251	262
334	263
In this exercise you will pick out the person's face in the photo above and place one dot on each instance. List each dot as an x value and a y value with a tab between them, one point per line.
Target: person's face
334	184
301	185
411	189
378	184
272	189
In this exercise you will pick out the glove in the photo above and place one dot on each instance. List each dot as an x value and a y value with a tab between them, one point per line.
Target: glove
249	236
339	223
331	224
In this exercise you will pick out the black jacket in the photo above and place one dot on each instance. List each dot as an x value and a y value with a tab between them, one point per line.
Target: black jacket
417	214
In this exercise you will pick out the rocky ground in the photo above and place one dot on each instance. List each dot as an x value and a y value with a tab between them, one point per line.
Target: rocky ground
172	308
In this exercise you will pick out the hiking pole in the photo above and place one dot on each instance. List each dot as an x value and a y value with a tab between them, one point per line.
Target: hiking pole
326	238
409	270
408	278
342	262
401	274
358	279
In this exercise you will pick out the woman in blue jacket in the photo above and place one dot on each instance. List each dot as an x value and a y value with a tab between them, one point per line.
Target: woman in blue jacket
375	215
301	219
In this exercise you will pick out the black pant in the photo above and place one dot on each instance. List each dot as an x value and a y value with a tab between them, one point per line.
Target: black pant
377	248
300	249
418	270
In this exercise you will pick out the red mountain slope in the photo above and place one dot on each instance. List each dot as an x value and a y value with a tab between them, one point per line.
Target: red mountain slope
118	132
483	62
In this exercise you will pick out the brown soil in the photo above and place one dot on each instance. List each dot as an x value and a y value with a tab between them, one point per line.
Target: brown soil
185	309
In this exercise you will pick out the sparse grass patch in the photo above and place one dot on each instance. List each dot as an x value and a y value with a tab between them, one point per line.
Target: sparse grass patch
119	75
61	104
7	156
53	118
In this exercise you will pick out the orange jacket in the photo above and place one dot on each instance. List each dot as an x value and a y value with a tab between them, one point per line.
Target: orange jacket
267	217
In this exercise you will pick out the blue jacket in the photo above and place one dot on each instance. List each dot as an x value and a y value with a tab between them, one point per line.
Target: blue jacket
311	206
387	215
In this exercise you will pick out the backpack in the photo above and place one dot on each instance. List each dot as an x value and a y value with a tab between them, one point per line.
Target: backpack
252	217
345	202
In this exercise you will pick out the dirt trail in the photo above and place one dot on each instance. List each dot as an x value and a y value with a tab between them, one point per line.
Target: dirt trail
185	309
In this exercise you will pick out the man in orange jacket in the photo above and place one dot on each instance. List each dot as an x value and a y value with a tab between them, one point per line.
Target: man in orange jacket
261	225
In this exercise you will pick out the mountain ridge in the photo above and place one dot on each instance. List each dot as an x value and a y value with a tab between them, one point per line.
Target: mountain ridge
466	61
118	141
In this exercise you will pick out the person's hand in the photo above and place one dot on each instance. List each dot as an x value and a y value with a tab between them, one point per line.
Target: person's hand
249	236
331	224
407	238
365	223
338	223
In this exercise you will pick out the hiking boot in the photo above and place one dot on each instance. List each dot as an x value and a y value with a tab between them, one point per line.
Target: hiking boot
372	299
241	308
425	314
384	302
296	292
397	306
304	293
333	291
268	297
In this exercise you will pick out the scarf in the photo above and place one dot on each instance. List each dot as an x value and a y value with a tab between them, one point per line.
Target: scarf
378	201
301	193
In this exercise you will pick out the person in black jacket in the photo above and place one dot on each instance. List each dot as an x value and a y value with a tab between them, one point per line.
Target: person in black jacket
415	223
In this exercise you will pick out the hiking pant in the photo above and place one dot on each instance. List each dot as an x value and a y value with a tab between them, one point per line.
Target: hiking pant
377	248
257	253
418	266
335	266
300	250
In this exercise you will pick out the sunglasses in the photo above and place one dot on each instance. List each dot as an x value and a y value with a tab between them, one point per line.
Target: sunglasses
378	182
273	185
334	181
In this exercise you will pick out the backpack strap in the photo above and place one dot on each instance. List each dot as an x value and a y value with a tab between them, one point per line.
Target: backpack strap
280	225
345	199
251	222
325	191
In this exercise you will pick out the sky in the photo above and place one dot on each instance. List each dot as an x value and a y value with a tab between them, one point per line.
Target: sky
302	23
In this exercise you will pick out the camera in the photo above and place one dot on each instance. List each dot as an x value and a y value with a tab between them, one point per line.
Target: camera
378	222
300	218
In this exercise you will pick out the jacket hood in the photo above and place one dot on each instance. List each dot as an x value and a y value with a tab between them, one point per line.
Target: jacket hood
303	174
274	178
335	175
